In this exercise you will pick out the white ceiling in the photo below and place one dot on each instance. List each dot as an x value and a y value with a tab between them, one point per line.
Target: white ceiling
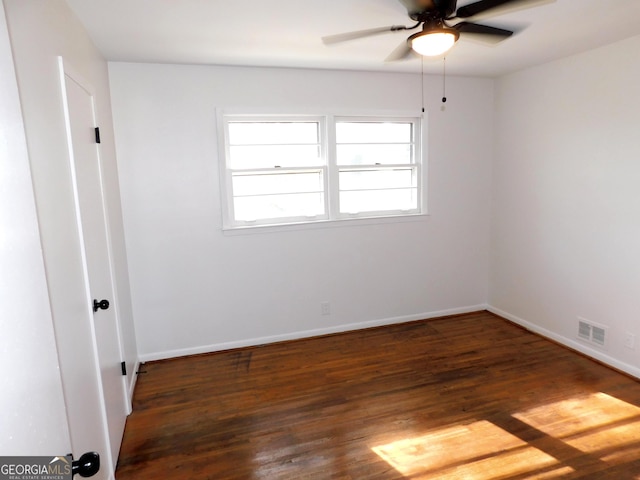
287	33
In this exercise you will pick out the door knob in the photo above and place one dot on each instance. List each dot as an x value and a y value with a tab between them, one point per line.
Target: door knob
87	465
100	305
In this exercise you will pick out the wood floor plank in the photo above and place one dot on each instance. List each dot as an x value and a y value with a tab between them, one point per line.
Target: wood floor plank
463	397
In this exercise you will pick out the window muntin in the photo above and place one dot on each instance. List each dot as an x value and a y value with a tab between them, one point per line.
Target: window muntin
305	169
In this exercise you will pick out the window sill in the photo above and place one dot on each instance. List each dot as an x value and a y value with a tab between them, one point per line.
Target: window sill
319	224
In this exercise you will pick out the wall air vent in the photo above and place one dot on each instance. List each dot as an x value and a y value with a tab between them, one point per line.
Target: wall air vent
584	330
592	332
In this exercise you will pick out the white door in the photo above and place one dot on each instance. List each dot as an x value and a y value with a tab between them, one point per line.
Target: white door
85	164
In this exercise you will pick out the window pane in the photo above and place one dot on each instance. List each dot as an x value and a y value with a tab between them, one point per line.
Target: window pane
374	132
248	184
269	156
376	179
278	206
273	133
378	200
372	154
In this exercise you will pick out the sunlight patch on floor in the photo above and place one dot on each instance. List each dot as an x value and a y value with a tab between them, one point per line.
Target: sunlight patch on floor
598	424
479	450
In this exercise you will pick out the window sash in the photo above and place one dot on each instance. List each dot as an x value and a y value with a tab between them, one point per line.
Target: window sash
378	191
298	195
375	141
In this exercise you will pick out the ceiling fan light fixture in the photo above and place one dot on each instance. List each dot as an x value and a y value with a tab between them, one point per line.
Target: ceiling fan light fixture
434	42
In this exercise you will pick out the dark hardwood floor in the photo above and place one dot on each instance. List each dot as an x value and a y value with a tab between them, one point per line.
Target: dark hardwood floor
465	397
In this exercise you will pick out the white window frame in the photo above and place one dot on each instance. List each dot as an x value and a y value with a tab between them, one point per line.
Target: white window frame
415	165
228	172
330	169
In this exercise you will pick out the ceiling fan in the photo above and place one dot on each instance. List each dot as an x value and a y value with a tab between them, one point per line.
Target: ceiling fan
442	25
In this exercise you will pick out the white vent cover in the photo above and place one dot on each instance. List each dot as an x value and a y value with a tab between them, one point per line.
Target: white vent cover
592	333
584	330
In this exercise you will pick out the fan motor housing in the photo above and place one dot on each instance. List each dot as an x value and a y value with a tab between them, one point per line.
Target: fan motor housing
424	9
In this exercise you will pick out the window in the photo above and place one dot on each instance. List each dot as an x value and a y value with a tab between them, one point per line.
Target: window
283	170
378	173
277	170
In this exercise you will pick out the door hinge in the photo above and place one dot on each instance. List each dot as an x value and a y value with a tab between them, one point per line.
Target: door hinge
123	366
97	129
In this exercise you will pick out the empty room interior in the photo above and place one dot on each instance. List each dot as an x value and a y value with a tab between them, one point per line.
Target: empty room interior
272	240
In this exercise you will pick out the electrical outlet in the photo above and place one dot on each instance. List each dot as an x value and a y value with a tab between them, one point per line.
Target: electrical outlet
630	340
325	308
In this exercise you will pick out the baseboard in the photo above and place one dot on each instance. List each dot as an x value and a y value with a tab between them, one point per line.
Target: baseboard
216	347
132	383
569	343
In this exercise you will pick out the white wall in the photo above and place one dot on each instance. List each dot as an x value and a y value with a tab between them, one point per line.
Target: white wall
39	31
32	411
566	204
196	289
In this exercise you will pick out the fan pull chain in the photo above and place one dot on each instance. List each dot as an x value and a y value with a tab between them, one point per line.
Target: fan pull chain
444	80
422	80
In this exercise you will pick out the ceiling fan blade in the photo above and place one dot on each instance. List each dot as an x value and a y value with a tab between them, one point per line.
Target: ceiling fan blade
490	8
467	27
343	37
484	33
401	52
